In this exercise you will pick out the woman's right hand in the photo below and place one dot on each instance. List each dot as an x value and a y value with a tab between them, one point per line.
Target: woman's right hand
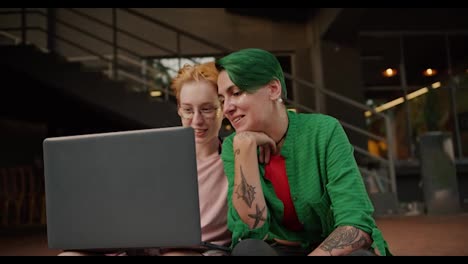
266	144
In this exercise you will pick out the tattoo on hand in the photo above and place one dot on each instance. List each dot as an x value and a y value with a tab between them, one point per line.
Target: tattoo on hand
245	191
343	237
258	216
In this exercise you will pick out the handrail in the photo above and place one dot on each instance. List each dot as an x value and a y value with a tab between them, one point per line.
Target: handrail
74	44
124	73
15	39
362	131
335	95
135	78
127	33
297	105
105	58
370	155
119	56
177	30
4	29
88	34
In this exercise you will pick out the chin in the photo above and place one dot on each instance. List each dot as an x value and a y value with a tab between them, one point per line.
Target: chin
202	140
243	127
238	128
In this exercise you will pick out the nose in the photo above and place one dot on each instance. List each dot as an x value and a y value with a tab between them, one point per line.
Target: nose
228	107
197	117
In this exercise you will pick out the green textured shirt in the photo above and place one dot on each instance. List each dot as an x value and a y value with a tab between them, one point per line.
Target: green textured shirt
326	186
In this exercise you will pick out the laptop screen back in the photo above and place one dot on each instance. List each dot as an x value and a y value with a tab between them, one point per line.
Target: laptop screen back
132	189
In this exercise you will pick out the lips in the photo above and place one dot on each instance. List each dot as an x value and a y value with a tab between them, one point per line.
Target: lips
200	132
236	120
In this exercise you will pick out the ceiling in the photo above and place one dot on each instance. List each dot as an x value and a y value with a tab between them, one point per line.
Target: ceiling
352	21
376	32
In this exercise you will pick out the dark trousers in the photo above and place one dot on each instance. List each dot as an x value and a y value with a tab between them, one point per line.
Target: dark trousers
256	247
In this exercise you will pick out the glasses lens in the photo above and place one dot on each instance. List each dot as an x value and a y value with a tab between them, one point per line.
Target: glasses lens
208	112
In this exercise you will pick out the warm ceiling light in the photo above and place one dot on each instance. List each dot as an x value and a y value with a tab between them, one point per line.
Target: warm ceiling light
155	93
429	72
389	72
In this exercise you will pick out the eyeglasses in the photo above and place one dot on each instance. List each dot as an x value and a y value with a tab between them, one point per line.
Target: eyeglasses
208	112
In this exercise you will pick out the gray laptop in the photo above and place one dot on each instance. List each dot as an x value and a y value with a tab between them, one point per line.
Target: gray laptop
122	190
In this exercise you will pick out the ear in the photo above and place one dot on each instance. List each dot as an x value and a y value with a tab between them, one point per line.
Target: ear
275	89
178	111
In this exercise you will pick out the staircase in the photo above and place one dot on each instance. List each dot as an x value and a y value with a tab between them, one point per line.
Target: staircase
72	79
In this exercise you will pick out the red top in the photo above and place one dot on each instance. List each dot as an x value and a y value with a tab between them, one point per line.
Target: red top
275	171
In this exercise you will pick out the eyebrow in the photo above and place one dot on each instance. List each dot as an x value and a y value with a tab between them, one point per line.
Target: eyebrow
200	105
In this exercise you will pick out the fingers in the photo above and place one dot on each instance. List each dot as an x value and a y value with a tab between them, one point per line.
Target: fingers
260	156
273	146
266	145
267	154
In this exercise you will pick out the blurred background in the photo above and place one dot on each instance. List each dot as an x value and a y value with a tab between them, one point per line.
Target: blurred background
396	78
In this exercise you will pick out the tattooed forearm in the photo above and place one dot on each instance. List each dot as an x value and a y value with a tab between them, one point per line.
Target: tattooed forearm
245	191
343	237
362	242
258	216
237	151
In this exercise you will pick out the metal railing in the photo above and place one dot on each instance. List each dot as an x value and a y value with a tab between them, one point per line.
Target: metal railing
16	40
115	62
148	85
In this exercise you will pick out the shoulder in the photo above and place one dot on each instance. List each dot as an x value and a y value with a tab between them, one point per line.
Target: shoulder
320	123
316	118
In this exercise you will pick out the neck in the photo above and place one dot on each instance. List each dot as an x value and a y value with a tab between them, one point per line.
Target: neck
284	135
279	130
208	148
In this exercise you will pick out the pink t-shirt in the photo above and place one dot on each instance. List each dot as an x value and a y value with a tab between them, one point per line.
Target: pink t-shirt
212	186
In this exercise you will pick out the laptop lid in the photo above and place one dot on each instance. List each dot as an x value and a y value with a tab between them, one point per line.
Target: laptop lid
131	189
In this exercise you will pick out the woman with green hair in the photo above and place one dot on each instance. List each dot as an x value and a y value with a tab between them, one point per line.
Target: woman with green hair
294	185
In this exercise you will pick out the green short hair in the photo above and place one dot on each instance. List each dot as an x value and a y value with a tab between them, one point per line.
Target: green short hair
250	69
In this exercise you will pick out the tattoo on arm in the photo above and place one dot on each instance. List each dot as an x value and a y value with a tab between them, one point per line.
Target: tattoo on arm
245	191
343	237
237	151
362	242
258	216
